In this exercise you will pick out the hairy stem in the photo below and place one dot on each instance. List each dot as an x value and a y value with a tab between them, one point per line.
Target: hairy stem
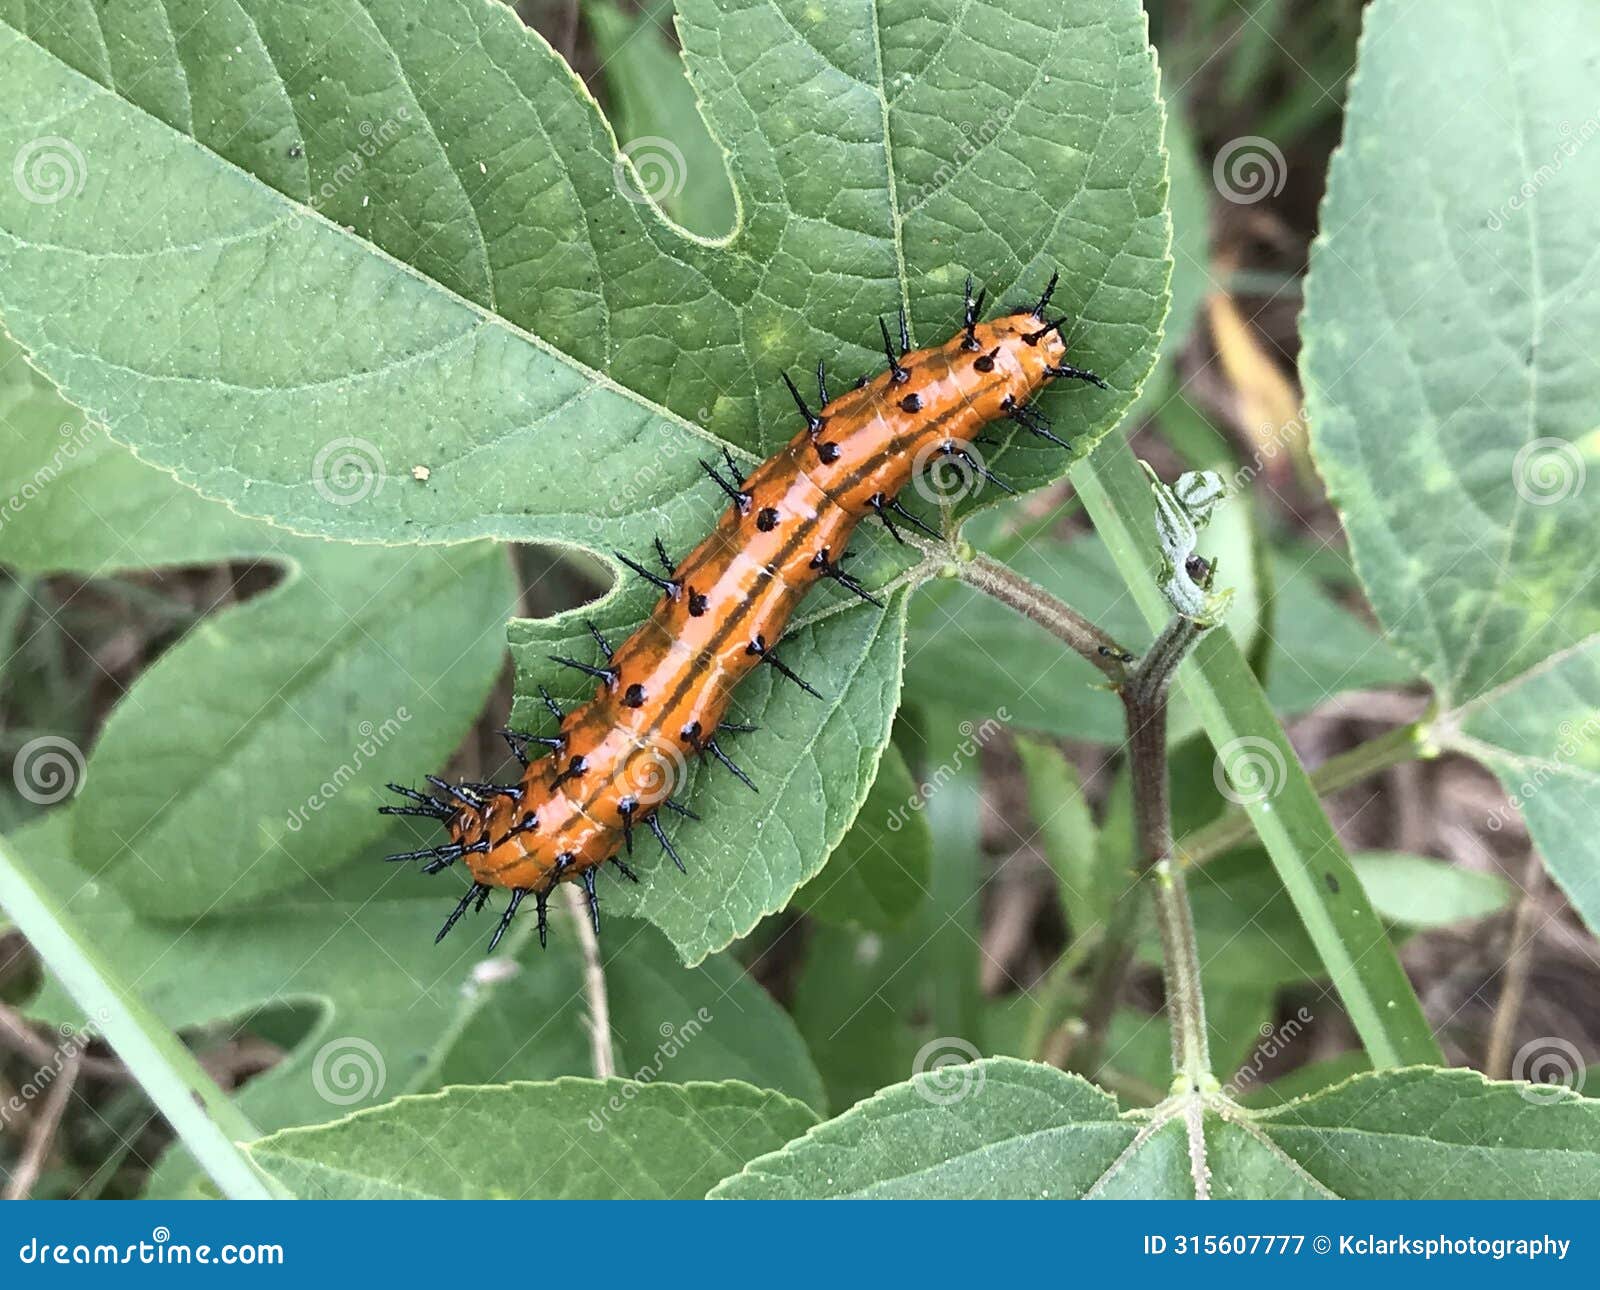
1519	964
1057	617
1144	701
602	1057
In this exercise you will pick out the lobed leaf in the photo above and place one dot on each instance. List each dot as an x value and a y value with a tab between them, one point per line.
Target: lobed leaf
1000	1128
1451	383
574	1138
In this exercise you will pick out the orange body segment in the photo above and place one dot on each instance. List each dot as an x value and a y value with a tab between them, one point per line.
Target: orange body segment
622	755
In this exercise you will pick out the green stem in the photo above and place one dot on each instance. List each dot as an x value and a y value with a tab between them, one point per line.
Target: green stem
200	1112
1305	851
1180	970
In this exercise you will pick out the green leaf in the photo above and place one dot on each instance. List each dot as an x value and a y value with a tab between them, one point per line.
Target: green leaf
1319	648
1190	199
1461	479
364	291
1067	836
668	1022
189	1098
575	1139
375	1032
813	762
878	876
434	1014
1001	1128
1538	733
653	109
855	1004
76	499
1313	1077
255	751
1421	891
351	673
986	1130
1306	853
1424	1134
1451	384
589	352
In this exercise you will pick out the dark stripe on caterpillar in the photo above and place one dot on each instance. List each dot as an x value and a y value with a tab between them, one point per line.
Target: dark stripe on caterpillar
619	757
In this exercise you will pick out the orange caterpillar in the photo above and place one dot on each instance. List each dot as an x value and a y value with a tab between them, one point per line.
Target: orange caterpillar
722	611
